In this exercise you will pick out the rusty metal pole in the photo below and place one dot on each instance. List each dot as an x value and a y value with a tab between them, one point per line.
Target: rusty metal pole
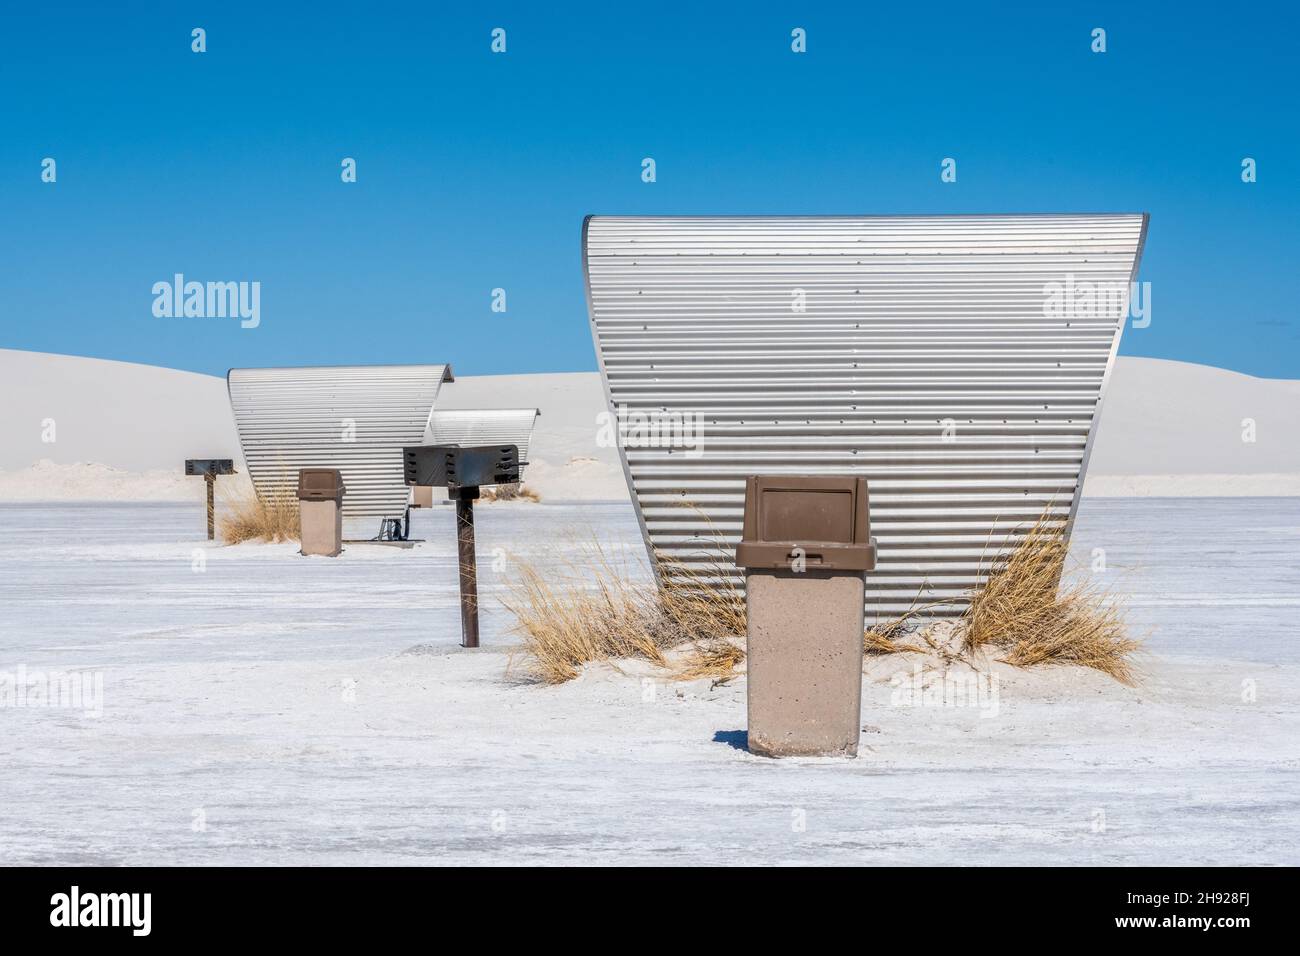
211	480
468	569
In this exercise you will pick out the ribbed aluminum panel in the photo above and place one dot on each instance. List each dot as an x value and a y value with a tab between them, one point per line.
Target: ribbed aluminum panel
926	358
354	418
484	426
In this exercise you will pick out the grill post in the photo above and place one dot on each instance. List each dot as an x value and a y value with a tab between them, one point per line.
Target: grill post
468	569
211	481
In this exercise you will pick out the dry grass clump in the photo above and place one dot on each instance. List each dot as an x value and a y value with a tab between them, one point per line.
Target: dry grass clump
701	600
703	604
691	620
511	492
716	660
566	622
887	637
274	518
1024	611
597	610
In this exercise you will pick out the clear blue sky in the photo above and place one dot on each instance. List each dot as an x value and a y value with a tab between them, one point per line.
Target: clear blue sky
475	170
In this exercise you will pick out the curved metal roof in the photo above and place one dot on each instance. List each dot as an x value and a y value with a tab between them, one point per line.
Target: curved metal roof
919	351
354	418
484	426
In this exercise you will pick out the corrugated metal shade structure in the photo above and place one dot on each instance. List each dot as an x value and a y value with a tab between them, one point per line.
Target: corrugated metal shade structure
921	352
483	426
354	418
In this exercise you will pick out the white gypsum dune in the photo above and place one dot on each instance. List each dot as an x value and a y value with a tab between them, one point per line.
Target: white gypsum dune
122	431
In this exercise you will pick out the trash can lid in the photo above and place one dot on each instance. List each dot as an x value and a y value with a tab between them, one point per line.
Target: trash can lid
320	483
823	520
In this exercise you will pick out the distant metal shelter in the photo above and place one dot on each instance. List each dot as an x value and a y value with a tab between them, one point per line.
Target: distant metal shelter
958	362
353	418
484	426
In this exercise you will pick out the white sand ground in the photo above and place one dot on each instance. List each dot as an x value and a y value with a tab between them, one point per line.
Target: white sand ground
261	707
1168	428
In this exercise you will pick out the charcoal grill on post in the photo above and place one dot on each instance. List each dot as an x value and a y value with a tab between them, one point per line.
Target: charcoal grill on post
462	470
209	468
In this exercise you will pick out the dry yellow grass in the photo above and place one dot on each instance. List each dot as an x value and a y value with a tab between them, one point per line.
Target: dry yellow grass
253	518
702	604
510	492
700	599
1024	611
593	609
715	659
885	637
568	617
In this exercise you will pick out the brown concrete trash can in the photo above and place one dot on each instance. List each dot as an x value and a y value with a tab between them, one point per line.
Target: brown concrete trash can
806	548
422	496
320	510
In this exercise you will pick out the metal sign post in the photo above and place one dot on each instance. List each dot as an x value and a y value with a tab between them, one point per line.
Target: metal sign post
461	470
209	468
